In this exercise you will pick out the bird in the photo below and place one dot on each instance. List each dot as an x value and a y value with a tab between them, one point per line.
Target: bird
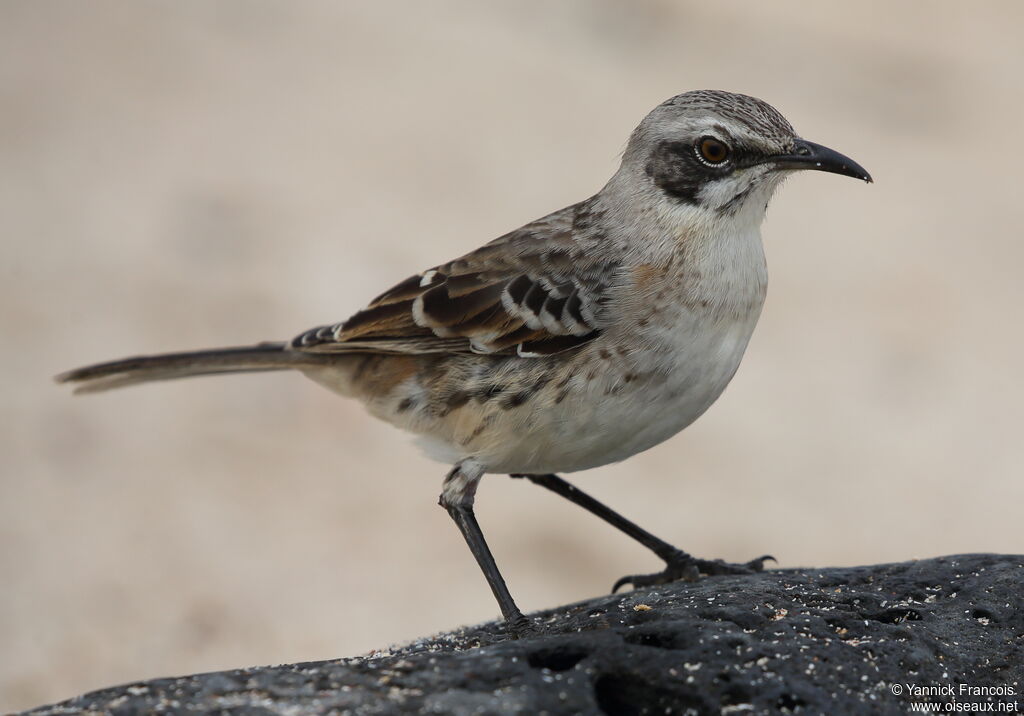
577	340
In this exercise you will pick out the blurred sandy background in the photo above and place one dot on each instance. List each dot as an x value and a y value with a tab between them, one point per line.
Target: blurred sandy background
186	174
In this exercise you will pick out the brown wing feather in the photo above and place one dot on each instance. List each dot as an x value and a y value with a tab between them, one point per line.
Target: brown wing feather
533	292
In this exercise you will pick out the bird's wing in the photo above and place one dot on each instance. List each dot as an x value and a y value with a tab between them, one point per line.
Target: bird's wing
533	292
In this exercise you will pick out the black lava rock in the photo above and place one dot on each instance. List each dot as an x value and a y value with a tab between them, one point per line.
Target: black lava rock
820	641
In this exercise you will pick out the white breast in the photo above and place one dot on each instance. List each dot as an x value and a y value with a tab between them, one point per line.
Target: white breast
676	364
722	288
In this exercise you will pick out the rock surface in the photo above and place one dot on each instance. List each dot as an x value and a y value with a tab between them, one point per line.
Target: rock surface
837	640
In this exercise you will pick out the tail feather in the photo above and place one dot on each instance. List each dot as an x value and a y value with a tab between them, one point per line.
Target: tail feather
168	366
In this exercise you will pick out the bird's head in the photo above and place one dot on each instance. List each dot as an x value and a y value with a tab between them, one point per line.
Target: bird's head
723	154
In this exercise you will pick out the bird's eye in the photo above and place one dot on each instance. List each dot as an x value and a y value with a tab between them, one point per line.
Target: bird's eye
712	151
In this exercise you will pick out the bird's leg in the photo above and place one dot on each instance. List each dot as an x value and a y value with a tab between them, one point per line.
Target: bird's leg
678	564
457	497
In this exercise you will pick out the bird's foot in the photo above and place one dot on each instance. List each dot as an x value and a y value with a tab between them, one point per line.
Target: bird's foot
521	627
687	568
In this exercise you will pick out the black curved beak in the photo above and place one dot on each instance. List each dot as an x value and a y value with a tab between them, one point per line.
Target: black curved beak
808	155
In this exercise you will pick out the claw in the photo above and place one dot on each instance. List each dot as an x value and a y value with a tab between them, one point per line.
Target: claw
623	581
758	564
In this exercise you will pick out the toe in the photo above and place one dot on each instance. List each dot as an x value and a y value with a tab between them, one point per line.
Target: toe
758	564
629	579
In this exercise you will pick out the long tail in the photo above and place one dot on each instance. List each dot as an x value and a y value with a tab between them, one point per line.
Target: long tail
167	366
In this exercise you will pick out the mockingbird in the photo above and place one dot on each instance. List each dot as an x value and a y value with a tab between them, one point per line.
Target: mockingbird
577	340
